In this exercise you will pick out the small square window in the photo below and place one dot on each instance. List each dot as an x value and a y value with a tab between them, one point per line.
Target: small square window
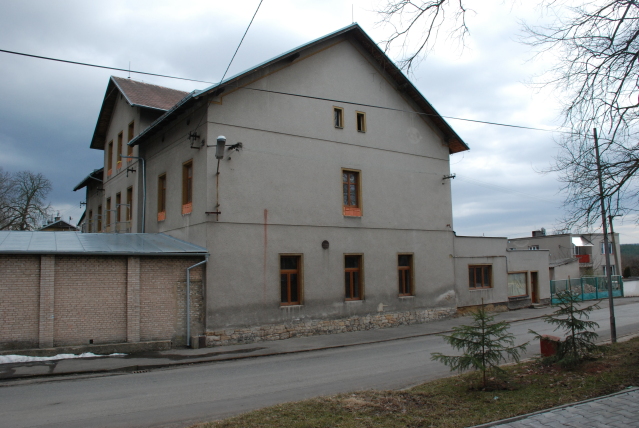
405	270
290	280
480	276
338	117
351	193
361	121
353	277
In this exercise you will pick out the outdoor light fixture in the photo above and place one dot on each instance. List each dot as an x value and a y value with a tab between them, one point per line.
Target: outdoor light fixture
219	148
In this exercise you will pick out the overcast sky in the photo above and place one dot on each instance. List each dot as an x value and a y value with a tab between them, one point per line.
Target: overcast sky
48	110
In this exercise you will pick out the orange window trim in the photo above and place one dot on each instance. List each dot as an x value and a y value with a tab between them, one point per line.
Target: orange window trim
187	208
109	172
162	215
352	211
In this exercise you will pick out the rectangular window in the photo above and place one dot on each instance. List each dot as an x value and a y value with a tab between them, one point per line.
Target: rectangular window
361	121
480	276
405	270
110	158
129	149
612	270
99	218
90	222
351	193
609	248
533	247
517	284
108	215
119	163
187	187
118	206
338	117
162	197
290	280
129	204
353	277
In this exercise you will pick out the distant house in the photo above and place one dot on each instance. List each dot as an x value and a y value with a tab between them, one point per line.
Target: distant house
58	225
588	249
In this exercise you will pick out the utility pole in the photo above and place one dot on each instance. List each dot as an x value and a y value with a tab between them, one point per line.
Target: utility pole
613	326
614	243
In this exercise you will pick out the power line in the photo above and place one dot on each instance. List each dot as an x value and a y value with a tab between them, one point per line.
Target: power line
481	183
101	66
405	111
238	46
281	93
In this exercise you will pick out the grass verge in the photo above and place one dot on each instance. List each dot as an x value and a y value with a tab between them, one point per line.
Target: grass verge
454	401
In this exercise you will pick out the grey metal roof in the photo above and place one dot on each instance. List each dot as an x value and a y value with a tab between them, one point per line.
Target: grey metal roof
107	244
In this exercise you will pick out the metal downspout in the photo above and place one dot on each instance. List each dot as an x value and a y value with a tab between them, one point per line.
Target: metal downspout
188	300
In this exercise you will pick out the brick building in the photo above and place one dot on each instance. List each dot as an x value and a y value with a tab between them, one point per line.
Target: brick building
68	288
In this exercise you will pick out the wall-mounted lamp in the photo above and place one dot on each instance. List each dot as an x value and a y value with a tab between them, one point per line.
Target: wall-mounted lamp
219	148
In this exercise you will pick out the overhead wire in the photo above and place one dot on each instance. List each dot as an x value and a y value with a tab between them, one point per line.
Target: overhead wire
283	93
238	46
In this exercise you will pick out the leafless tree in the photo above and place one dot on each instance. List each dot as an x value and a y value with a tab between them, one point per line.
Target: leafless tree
23	203
596	70
417	25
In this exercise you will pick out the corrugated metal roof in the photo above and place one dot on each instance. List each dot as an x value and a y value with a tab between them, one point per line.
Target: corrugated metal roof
77	243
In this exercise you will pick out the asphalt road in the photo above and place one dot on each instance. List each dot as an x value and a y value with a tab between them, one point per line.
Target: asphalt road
182	396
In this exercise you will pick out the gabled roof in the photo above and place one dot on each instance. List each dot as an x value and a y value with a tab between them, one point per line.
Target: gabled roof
404	85
107	244
96	175
60	224
137	94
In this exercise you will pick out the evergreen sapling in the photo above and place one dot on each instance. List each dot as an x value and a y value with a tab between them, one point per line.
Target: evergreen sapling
484	345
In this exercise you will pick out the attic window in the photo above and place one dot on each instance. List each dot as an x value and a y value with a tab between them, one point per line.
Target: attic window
361	121
338	117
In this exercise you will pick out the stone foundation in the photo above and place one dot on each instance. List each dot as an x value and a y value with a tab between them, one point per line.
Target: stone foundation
234	336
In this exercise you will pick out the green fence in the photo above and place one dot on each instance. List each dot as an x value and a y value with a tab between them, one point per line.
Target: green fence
588	288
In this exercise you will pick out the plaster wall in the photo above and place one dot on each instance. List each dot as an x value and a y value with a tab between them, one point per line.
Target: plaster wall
480	251
530	262
565	271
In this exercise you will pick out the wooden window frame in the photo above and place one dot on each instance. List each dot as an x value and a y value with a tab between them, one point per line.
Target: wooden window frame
472	286
110	158
162	197
118	164
404	272
360	127
99	219
129	203
187	187
525	272
129	149
347	209
90	222
108	214
351	286
300	280
338	117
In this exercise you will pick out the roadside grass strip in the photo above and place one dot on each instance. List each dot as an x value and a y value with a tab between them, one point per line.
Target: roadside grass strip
458	401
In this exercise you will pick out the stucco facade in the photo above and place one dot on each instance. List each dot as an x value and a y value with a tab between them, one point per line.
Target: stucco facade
587	248
499	268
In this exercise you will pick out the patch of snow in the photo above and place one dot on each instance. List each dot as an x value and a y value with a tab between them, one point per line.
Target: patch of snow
6	359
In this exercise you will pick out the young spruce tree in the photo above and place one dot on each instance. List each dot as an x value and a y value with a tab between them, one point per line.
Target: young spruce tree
573	320
484	343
